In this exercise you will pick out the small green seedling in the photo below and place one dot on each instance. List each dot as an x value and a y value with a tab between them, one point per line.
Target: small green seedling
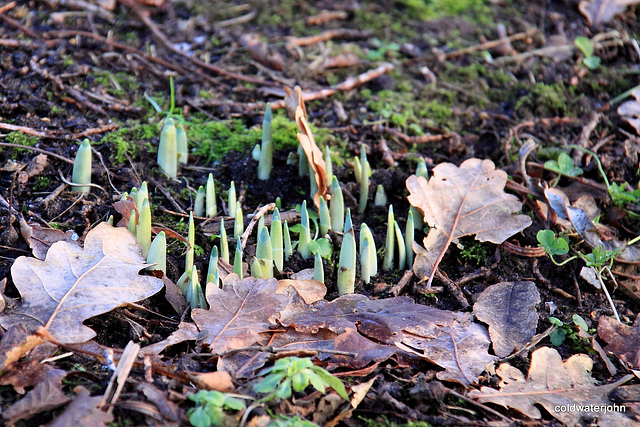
563	166
82	168
210	407
585	45
621	194
564	332
553	245
291	374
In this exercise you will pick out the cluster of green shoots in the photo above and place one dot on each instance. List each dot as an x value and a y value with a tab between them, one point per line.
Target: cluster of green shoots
286	376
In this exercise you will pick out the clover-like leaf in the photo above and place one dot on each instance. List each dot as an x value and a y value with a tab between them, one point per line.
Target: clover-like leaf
564	166
552	244
73	284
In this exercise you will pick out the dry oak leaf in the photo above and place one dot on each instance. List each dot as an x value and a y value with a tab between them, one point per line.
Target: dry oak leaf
599	11
554	384
45	396
622	340
238	313
83	411
630	111
463	201
509	308
73	284
448	339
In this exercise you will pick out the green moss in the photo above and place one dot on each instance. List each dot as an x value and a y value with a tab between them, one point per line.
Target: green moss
466	74
20	138
128	141
543	100
431	9
116	84
212	140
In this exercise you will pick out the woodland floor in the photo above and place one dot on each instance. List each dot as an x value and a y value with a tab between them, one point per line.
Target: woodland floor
67	72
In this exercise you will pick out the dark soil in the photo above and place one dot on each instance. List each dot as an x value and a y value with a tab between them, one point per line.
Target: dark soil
60	83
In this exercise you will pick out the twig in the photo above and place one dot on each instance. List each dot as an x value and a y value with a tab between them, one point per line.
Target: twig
7	7
452	288
534	341
480	405
169	197
28	147
402	283
493	43
237	20
342	33
346	85
247	232
63	179
97	153
15	23
275	350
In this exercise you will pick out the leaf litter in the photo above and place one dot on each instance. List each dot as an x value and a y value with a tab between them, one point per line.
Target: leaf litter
73	284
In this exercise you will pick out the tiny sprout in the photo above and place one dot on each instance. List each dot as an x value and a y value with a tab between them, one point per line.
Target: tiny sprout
238	225
389	248
110	220
325	217
264	254
313	185
82	168
418	223
278	202
277	243
553	245
232	200
158	253
213	274
237	261
357	169
210	193
328	163
182	145
168	149
143	230
348	224
402	252
210	406
141	195
224	242
318	268
256	152
364	180
265	163
191	238
288	248
198	207
368	256
305	233
381	196
194	294
422	170
409	237
336	206
347	264
133	223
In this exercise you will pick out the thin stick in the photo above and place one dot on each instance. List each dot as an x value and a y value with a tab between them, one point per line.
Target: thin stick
39	150
606	292
493	43
263	210
75	184
270	349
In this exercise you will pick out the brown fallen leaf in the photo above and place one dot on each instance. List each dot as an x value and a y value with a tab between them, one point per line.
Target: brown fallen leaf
45	396
463	201
40	239
630	111
83	411
622	340
73	284
185	332
16	342
553	385
169	410
509	308
238	313
601	11
314	155
448	339
218	380
36	166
